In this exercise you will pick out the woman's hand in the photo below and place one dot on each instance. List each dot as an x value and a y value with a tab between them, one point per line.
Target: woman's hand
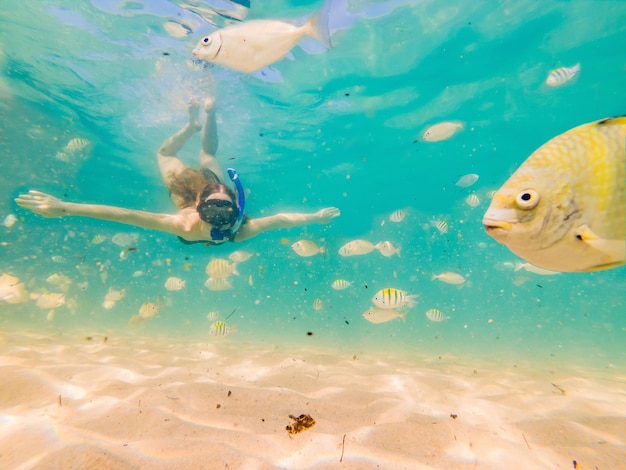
42	203
327	214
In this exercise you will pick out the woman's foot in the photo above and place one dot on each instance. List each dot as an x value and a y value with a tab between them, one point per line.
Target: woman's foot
209	103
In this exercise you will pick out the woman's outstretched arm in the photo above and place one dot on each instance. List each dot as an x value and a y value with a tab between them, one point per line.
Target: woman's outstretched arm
50	206
253	227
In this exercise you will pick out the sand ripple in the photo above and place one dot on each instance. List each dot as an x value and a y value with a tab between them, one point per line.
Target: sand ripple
140	403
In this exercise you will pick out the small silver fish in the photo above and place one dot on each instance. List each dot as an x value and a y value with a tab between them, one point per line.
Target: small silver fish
50	300
472	200
357	247
442	131
387	249
219	268
240	256
466	181
440	225
449	277
9	220
148	310
221	329
341	284
306	248
562	75
398	215
218	284
174	283
382	315
436	315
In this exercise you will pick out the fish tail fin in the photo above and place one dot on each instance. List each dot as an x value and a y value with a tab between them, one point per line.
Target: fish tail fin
318	24
322	250
518	266
433	277
234	269
576	67
403	315
398	251
410	300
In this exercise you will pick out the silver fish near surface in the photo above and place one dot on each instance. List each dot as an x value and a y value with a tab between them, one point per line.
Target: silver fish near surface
562	75
442	131
449	277
252	45
564	208
466	181
356	248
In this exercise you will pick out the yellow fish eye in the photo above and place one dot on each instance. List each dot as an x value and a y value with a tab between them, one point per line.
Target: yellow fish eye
206	40
527	199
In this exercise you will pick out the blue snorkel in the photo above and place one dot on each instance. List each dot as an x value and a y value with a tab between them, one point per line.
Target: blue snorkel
216	233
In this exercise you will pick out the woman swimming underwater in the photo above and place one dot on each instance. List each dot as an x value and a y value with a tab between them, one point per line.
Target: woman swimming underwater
208	210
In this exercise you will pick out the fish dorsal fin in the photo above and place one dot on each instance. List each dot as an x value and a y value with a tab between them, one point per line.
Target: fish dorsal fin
613	120
614	249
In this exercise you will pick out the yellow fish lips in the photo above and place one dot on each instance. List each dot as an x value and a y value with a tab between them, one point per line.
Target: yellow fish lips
499	219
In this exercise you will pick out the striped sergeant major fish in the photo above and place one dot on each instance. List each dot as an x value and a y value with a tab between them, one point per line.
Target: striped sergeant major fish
393	298
562	75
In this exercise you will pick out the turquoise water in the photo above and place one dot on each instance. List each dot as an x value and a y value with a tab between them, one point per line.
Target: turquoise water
319	128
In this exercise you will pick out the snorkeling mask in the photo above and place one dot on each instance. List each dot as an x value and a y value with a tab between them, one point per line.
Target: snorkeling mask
223	212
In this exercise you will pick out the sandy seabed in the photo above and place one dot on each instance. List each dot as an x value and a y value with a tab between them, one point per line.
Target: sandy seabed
70	401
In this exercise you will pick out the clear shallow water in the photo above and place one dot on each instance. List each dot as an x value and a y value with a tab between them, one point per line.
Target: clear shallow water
337	128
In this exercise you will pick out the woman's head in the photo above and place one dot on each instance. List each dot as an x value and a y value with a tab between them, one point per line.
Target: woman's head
216	206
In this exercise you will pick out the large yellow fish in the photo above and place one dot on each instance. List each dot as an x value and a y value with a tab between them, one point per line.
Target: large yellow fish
564	209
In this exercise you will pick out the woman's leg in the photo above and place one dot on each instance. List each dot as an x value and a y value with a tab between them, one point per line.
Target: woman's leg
209	141
169	164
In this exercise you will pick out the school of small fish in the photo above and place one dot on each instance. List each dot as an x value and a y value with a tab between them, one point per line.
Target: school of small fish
562	210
